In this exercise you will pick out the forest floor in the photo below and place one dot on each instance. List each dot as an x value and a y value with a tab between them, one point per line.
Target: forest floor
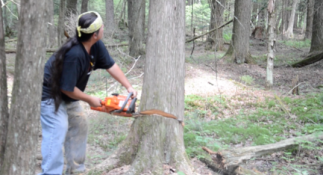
217	92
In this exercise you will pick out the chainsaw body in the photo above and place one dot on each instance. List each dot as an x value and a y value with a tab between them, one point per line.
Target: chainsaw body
118	105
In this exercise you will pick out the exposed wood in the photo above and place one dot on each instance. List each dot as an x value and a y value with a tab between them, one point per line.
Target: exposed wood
223	25
310	59
228	161
295	82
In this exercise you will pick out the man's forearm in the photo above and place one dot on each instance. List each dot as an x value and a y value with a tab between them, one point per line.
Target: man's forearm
77	94
117	74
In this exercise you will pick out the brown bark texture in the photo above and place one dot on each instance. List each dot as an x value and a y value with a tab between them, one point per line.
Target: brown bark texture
216	38
317	30
239	48
153	140
309	19
4	115
136	24
285	15
84	6
23	129
110	25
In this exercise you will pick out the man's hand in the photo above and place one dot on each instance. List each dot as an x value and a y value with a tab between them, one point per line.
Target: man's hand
94	101
130	89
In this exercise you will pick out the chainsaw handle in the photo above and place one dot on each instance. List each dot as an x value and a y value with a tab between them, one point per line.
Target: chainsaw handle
124	104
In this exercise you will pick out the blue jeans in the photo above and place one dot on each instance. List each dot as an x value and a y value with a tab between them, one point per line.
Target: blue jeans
67	128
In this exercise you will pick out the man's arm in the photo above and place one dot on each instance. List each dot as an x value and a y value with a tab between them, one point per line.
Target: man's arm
117	74
77	94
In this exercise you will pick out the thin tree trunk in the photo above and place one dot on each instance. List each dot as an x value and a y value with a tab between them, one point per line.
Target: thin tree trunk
84	6
289	32
61	25
23	129
154	141
216	38
317	31
71	7
271	43
309	19
136	23
285	14
239	48
4	115
254	16
109	18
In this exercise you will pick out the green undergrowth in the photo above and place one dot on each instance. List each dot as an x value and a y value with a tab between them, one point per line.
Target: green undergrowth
270	122
297	43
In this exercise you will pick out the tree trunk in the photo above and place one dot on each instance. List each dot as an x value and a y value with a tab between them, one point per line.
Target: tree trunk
285	15
4	115
23	129
262	16
216	38
317	30
254	14
109	18
71	7
51	26
289	32
84	6
61	25
271	42
311	58
309	19
239	47
154	141
136	23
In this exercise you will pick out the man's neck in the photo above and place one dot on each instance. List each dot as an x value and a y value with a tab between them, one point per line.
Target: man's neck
87	45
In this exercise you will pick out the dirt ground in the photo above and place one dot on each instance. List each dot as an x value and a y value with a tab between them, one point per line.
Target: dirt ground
209	77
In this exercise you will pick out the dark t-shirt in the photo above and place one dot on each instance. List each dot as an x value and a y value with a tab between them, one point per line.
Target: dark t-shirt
77	68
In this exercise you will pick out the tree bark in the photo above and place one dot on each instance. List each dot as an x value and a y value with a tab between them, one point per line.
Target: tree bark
61	25
23	129
285	14
216	38
289	32
239	47
109	18
311	58
271	42
84	6
317	31
309	19
71	7
136	23
254	14
50	25
228	161
4	115
154	140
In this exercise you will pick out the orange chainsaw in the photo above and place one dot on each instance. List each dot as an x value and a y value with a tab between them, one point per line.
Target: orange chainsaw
118	105
125	106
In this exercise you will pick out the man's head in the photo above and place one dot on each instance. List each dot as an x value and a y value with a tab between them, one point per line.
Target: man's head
89	24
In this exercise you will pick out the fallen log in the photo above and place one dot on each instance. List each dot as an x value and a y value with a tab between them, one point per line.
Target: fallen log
54	50
310	59
228	161
197	37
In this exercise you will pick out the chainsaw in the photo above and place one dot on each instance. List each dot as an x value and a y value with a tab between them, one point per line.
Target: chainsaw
118	105
121	105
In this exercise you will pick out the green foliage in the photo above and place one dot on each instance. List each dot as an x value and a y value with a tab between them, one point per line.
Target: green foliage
201	16
227	36
247	79
297	44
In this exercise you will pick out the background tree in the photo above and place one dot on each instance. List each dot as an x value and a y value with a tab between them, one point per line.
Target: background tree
309	19
136	23
61	25
71	7
239	47
317	31
285	15
271	42
23	129
154	140
84	6
110	26
216	38
51	26
4	115
290	30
